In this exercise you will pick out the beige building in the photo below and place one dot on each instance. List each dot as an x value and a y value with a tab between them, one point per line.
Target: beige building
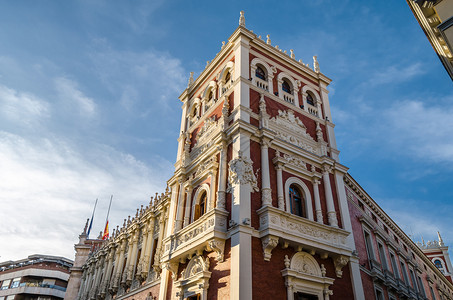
35	277
436	19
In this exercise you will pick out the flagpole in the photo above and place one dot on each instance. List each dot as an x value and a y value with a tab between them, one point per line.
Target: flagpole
92	217
108	212
106	229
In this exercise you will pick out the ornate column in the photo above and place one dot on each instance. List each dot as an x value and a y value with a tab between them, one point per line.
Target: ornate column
319	217
141	260
280	193
132	258
107	271
290	292
222	177
179	207
213	188
189	190
123	275
148	249
331	213
266	192
296	95
156	265
114	281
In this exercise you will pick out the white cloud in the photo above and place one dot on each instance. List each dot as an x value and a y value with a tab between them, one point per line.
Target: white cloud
396	74
145	81
71	95
22	108
49	186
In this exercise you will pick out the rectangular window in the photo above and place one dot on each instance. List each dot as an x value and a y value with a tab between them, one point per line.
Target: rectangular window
379	295
414	284
432	293
403	268
15	283
420	286
369	245
382	256
394	266
5	284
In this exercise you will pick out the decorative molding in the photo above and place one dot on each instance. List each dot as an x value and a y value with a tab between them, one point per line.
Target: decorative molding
291	129
269	243
241	173
339	262
218	246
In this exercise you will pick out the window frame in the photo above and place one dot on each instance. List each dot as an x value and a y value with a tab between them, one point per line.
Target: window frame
306	195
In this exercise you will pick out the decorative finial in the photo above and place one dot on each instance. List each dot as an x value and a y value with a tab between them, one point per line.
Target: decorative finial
268	40
315	64
207	63
323	270
86	227
223	44
190	83
242	19
287	261
441	241
292	54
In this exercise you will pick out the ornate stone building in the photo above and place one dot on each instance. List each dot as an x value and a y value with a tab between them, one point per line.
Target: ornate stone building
259	206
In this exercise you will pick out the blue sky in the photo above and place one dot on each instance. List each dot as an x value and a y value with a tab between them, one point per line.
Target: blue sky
89	107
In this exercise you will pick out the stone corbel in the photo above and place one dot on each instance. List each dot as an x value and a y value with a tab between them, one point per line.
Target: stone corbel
173	268
269	243
218	246
340	262
327	293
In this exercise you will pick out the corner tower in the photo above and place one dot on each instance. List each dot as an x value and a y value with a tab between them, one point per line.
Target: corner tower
258	206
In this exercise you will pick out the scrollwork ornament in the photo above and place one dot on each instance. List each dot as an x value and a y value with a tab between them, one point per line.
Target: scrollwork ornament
241	172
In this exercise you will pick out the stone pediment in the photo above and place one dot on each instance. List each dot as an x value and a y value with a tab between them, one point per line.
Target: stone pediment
291	129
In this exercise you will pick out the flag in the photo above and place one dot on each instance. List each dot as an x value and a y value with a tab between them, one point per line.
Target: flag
92	217
105	236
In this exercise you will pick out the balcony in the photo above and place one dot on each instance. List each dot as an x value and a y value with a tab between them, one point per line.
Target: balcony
33	288
296	231
262	84
205	233
390	280
288	97
376	271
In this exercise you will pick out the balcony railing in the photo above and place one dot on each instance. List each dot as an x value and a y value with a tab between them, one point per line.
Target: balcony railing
262	84
298	231
196	236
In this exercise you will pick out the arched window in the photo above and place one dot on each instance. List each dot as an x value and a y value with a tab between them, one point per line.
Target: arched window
260	73
296	202
286	87
227	77
438	264
310	99
200	208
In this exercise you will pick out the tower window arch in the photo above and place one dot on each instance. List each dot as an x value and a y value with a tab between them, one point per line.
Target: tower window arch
200	207
438	264
227	77
259	73
286	87
296	201
310	99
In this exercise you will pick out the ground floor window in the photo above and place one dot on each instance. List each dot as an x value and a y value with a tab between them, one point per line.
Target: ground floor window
303	296
194	297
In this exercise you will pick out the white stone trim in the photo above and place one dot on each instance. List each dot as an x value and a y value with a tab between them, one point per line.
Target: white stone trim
270	74
306	192
196	198
295	87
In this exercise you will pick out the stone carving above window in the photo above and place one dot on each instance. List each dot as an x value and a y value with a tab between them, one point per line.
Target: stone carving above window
209	126
241	173
291	129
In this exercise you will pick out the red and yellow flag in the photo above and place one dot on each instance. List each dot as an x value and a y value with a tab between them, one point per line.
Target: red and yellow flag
106	231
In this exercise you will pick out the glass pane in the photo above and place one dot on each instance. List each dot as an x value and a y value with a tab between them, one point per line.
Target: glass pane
286	87
260	73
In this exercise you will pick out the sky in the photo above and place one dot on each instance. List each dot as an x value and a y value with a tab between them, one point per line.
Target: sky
89	106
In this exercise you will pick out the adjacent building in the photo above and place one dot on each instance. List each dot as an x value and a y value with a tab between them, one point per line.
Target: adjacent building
436	19
259	206
37	277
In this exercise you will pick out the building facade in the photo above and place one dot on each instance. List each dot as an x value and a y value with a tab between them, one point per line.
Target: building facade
436	19
42	277
259	206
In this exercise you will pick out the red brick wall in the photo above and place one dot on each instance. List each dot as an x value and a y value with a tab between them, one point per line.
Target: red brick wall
152	291
219	284
255	197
